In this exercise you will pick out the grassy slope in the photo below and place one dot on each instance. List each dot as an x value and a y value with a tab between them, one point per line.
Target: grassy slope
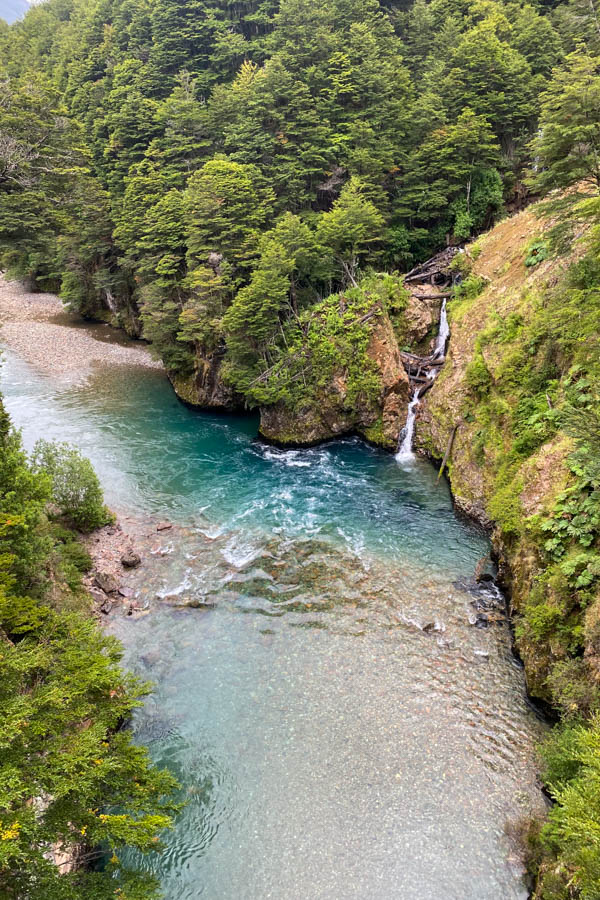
522	380
510	372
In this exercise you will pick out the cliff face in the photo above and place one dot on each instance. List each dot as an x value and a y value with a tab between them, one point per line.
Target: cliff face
334	409
205	387
331	412
505	378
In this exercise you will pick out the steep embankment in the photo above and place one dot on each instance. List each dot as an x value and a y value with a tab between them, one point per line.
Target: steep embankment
520	365
355	381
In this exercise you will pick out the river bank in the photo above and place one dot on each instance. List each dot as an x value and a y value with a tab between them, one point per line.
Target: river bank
37	327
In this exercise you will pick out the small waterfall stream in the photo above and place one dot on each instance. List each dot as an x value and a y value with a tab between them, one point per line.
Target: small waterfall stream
405	439
443	333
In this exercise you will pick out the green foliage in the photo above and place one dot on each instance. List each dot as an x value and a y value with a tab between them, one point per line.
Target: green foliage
567	145
537	252
70	776
23	498
469	288
504	506
478	375
349	230
571	836
329	339
452	177
157	144
76	488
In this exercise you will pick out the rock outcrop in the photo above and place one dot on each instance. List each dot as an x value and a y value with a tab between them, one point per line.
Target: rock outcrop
484	357
331	413
204	387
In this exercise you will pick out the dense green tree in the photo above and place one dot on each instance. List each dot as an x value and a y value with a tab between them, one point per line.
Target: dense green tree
226	203
184	139
451	177
71	779
494	81
75	487
349	230
161	275
567	146
39	161
268	117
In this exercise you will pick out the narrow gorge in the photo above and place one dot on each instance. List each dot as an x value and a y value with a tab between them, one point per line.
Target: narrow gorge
307	619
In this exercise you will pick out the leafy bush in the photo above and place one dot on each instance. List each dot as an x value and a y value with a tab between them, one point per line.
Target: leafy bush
76	488
470	288
571	837
478	375
537	252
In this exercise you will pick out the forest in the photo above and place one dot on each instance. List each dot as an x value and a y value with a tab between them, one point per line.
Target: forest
238	183
208	174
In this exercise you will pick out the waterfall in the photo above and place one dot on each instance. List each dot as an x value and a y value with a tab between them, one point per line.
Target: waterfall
110	301
443	333
405	440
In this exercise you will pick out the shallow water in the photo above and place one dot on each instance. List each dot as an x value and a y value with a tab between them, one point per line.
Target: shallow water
339	728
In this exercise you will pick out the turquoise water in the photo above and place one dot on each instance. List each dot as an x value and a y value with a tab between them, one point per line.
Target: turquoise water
339	728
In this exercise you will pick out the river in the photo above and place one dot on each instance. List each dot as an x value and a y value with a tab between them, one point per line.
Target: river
339	728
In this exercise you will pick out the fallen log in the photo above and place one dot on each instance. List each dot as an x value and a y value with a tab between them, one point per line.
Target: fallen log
426	387
448	449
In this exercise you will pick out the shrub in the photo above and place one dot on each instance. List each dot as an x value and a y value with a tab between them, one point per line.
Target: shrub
537	252
478	376
572	776
469	288
76	488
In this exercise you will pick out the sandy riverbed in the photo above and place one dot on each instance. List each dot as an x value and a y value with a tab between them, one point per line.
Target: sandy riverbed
37	328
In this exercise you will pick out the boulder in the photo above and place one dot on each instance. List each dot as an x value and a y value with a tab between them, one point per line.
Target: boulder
97	594
130	559
106	582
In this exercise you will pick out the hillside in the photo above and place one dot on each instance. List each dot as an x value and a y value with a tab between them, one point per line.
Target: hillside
518	404
248	187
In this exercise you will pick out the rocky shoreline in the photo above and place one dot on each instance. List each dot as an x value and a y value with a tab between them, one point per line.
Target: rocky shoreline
37	327
120	555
